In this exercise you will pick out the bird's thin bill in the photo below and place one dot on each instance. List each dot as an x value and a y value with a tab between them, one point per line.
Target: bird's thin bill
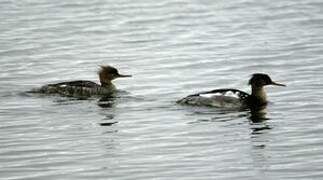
277	84
123	75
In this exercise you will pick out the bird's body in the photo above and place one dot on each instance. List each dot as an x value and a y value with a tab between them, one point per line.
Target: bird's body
228	98
83	88
234	98
77	88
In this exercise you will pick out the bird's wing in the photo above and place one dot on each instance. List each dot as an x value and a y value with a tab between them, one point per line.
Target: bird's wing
80	83
224	92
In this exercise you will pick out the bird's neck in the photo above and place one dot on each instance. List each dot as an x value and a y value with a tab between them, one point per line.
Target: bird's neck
259	93
106	84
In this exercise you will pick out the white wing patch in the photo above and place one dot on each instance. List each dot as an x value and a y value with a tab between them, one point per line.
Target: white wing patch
226	94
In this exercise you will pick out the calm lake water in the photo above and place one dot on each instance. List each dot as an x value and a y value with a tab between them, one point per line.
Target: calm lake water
172	48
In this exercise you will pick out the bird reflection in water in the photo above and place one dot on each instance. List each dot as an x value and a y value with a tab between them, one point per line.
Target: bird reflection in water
257	117
107	101
108	123
258	121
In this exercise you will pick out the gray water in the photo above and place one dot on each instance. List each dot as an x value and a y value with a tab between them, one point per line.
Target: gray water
172	48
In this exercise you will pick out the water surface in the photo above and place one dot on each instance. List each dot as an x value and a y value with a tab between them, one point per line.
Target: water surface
172	48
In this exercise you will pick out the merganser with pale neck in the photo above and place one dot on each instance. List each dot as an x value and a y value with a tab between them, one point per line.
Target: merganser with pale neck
233	98
83	88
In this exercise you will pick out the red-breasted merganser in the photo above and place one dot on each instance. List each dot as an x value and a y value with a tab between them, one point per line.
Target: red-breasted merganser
84	88
233	98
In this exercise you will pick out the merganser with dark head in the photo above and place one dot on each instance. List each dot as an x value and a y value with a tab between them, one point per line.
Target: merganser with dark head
83	88
233	98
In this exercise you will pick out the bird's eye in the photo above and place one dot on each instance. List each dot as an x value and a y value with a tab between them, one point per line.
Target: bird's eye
114	71
262	82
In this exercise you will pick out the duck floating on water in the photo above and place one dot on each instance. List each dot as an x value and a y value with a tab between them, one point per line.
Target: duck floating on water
234	98
83	88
